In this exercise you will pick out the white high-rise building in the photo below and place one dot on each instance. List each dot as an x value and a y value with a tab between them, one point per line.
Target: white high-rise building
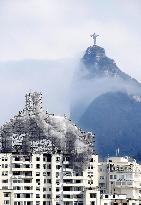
120	175
44	179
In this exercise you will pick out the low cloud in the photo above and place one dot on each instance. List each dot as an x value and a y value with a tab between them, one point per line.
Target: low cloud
52	78
85	90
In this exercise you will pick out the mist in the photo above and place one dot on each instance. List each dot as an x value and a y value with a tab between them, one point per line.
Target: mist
85	89
51	77
63	82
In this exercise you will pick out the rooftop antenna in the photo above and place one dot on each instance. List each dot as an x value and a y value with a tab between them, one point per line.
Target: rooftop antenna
117	152
94	36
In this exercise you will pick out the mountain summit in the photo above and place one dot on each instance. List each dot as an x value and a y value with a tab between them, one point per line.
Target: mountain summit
108	102
99	65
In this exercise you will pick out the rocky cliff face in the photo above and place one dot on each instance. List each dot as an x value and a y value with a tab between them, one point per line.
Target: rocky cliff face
99	65
112	102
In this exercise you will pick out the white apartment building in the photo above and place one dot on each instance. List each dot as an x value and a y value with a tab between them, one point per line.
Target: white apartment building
45	179
120	175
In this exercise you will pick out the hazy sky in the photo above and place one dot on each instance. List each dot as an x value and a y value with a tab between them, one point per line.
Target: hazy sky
53	29
44	29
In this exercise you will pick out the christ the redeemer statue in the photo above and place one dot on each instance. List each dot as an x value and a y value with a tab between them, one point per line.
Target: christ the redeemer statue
94	36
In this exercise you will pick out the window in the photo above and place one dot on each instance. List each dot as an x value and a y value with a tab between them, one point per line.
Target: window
92	202
49	158
78	188
111	176
44	173
48	173
58	181
6	202
57	159
44	189
5	173
17	158
28	188
48	196
29	203
27	181
17	166
37	166
101	177
37	158
44	166
4	165
5	181
78	181
66	188
92	195
49	181
49	166
38	181
90	182
57	166
28	166
29	173
27	195
27	158
17	196
37	188
16	173
37	195
6	194
79	196
57	189
78	174
66	196
4	159
4	187
67	181
37	173
57	174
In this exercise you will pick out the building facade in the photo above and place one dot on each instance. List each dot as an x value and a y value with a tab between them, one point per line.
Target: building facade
45	179
120	175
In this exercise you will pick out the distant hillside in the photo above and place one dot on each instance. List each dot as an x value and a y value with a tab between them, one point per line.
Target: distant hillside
114	109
